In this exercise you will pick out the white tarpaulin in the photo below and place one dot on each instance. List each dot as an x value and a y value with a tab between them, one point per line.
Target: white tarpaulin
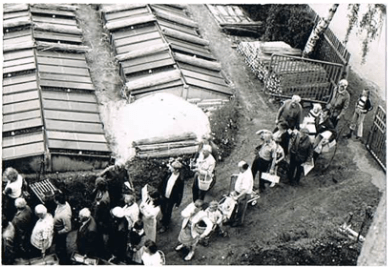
159	115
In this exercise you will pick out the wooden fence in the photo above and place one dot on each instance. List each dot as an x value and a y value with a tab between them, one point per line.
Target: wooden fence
329	48
376	142
313	80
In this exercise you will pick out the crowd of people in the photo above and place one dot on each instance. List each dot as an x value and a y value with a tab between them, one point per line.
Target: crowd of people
128	233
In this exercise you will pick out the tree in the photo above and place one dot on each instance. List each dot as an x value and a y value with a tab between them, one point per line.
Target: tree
318	30
370	24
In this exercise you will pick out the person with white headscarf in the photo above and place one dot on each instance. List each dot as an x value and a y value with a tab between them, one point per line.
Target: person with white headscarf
118	236
204	178
291	112
89	240
43	233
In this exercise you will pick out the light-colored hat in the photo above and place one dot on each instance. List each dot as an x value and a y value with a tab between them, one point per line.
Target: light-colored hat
117	212
296	98
176	165
241	163
40	209
85	212
343	82
20	202
207	148
267	136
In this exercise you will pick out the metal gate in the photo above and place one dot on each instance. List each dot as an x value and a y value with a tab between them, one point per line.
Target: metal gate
376	143
313	80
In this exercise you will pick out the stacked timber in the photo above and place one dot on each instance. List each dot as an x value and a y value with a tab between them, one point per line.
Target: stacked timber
258	55
164	147
232	19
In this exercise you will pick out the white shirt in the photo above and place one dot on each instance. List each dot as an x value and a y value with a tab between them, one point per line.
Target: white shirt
152	260
206	165
170	184
131	213
16	187
244	182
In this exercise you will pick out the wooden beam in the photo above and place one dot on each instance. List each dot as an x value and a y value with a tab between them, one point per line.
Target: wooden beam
175	18
168	153
14	8
115	25
185	36
143	52
122	7
62	47
152	80
16	22
198	62
165	139
56	28
57	7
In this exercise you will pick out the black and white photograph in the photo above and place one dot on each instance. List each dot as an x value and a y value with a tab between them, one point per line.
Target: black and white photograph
188	133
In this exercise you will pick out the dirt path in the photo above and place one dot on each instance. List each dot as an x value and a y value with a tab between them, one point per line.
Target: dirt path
288	219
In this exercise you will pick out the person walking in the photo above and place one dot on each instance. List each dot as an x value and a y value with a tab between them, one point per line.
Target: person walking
204	178
171	191
62	226
150	210
190	234
43	232
89	240
300	152
243	190
131	210
362	107
339	102
291	112
23	224
265	158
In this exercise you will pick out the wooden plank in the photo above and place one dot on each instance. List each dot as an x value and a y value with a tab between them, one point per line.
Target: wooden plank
25	124
203	63
70	106
185	36
177	27
183	20
145	52
11	35
62	13
67	85
19	87
32	114
11	8
22	151
125	13
64	70
209	86
71	126
149	66
61	55
62	47
179	47
20	107
145	59
95	138
18	46
137	39
189	45
55	36
204	77
58	28
154	79
62	62
19	68
75	97
22	139
127	22
199	69
61	77
18	54
14	98
77	145
71	116
106	8
175	90
124	49
133	32
54	20
17	22
20	61
169	85
18	39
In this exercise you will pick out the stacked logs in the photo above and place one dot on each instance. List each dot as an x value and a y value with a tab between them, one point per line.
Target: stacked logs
164	147
258	55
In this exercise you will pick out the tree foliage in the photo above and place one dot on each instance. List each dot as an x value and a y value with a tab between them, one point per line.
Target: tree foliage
288	23
370	23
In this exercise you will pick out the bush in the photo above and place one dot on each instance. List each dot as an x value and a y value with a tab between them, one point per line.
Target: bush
224	126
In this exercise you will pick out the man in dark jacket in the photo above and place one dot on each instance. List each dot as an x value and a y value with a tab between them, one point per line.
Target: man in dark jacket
89	240
300	152
171	190
291	112
23	224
